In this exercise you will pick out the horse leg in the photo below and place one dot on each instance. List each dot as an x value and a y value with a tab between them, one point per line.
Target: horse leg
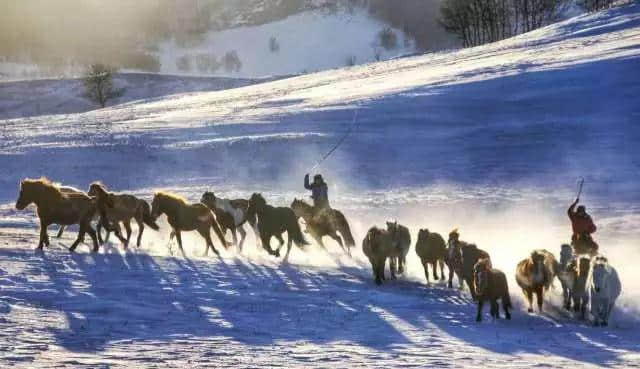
94	237
425	264
450	277
441	262
495	310
281	241
479	312
392	267
583	307
140	230
127	227
179	238
434	270
529	295
243	235
505	306
266	244
44	238
289	243
99	232
234	235
80	238
207	237
338	239
60	231
539	296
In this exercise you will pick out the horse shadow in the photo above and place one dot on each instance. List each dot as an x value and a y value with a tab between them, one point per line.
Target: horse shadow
552	333
249	303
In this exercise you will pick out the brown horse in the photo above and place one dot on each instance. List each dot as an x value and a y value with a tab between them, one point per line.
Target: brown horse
378	245
535	275
57	207
402	243
491	285
125	207
272	222
431	249
470	256
329	225
453	258
184	216
580	292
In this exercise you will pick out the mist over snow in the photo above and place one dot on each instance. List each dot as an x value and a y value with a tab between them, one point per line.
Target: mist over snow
489	140
306	42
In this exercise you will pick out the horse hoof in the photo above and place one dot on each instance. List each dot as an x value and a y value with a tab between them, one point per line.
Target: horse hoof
478	319
508	316
530	310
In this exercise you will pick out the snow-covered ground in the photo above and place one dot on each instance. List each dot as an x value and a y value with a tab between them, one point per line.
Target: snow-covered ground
488	139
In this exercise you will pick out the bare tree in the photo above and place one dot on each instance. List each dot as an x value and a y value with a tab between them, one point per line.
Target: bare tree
98	83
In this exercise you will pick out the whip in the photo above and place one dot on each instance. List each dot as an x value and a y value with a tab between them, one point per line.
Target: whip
579	185
353	124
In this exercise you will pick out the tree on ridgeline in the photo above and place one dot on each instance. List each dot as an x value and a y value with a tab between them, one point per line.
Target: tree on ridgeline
98	83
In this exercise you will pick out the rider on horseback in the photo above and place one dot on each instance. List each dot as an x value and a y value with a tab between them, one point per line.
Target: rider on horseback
319	193
583	227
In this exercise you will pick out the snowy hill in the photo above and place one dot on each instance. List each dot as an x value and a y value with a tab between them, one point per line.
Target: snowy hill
489	139
64	96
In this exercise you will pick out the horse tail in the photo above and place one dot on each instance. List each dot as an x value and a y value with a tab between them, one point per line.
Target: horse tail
343	228
295	233
146	216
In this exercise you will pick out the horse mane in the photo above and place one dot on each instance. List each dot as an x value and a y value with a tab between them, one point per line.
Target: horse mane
171	196
42	181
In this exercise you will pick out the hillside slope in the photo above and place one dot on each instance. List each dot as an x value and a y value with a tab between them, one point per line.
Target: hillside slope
489	140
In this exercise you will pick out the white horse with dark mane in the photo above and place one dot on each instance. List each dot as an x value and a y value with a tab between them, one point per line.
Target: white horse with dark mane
604	288
238	210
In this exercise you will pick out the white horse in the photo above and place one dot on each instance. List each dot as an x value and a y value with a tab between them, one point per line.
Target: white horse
238	210
567	273
604	288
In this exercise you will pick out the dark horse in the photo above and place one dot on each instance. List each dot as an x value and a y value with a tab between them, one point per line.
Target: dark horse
183	216
57	207
125	207
272	222
431	249
491	285
332	222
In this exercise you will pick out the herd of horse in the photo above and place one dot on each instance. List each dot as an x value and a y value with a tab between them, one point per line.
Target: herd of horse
585	278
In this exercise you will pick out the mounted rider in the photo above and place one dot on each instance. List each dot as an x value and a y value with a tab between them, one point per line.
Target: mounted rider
319	194
582	226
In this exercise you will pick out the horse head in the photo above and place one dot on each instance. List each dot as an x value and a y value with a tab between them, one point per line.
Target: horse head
97	189
600	273
392	227
156	206
25	196
454	236
422	234
566	254
208	198
481	275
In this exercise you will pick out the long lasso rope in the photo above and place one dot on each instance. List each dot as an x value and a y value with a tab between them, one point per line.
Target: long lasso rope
335	147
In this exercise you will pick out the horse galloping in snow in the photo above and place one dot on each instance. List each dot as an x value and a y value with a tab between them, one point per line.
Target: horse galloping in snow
402	243
330	223
535	275
490	285
378	246
57	207
604	289
272	222
431	249
184	216
125	207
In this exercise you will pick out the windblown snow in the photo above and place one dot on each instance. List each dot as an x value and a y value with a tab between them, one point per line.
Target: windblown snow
489	140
